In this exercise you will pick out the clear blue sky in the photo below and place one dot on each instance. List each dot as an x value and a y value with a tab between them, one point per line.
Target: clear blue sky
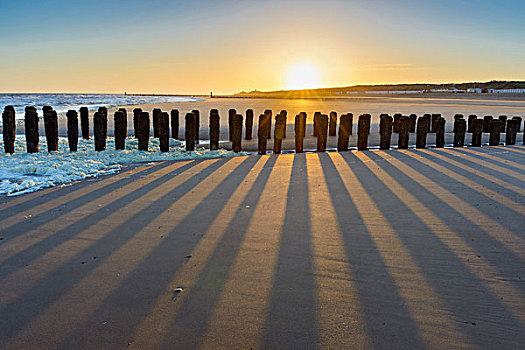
228	46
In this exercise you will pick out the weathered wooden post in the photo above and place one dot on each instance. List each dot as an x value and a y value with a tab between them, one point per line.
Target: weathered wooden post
156	112
143	130
237	133
189	132
174	115
404	132
284	114
104	112
268	114
197	115
459	134
477	132
120	126
278	133
486	123
322	132
72	130
164	131
315	127
503	124
456	117
362	132
46	109
495	130
136	113
262	134
413	122
470	122
51	128
332	128
31	129
98	132
429	117
439	129
231	114
512	128
249	124
519	119
299	133
385	131
434	117
345	128
422	129
214	129
397	118
84	122
9	128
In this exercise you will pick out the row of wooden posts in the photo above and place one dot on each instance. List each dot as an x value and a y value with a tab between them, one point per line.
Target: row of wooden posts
323	125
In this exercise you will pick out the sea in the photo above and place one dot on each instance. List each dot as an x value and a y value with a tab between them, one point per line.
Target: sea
61	103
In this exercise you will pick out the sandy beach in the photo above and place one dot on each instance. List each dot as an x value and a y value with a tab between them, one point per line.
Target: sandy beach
404	249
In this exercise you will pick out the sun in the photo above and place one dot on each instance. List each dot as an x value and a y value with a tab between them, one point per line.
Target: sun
302	75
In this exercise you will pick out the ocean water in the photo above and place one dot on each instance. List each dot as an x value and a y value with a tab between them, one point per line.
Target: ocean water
64	102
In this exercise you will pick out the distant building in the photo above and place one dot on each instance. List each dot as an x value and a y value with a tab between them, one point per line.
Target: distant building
506	91
474	90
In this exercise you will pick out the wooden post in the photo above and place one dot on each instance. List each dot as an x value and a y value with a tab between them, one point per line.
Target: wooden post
459	134
231	114
456	117
404	132
51	128
495	130
395	125
143	130
439	129
164	131
435	117
214	129
197	115
413	122
262	134
512	128
136	114
429	118
299	133
120	126
385	131
351	122
268	114
9	129
104	112
284	114
322	132
503	124
486	123
345	126
31	129
470	122
362	132
98	132
174	114
72	130
316	117
46	109
156	112
237	133
477	130
519	119
189	132
249	124
422	129
332	128
84	122
278	133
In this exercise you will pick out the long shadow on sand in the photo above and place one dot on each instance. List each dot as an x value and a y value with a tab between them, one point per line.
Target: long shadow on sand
27	306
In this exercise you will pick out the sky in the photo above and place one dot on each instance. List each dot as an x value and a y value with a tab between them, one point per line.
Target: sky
161	46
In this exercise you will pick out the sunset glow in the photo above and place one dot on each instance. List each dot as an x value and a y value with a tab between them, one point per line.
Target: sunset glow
302	76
